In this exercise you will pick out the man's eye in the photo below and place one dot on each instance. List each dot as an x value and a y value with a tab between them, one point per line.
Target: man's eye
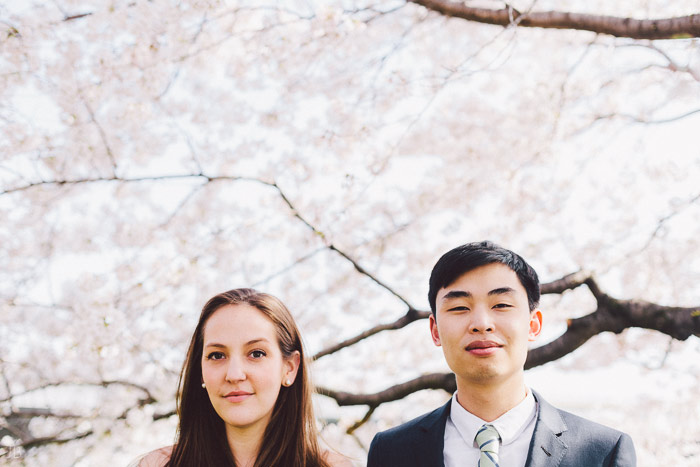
215	356
257	354
458	308
502	305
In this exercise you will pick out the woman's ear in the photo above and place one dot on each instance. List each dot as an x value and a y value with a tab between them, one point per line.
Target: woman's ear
290	368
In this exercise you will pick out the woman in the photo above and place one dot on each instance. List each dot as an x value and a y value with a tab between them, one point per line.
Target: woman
244	397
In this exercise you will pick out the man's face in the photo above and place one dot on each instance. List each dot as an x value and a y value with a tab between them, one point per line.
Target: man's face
484	325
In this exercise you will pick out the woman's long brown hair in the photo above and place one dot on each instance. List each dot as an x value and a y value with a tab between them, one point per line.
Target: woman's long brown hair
290	439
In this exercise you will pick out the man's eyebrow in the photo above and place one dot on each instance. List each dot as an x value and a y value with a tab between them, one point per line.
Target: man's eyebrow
456	294
502	291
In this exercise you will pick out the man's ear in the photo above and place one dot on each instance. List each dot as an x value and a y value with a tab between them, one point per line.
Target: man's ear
434	331
535	325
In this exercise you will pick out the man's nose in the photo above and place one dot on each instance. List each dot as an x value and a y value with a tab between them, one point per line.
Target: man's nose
481	320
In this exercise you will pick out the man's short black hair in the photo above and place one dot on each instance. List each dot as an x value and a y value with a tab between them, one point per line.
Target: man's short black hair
464	258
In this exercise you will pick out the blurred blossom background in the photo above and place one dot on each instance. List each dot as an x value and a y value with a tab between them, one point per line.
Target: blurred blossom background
154	153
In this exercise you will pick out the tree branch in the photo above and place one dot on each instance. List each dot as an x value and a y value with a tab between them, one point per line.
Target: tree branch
615	316
82	181
101	132
445	381
665	28
208	179
287	268
103	384
77	16
568	282
612	315
673	65
160	416
23	412
409	317
363	271
118	179
56	439
661	222
351	429
334	248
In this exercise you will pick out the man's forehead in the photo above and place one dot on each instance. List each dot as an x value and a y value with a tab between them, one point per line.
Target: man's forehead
493	278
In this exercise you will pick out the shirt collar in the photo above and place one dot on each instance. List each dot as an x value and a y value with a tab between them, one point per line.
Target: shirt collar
509	425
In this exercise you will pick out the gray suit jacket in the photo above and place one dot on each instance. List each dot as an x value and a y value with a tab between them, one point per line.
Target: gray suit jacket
560	439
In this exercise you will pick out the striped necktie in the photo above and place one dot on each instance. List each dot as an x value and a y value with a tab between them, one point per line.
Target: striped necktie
487	440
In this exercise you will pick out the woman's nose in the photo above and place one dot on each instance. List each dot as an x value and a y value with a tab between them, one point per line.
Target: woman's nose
235	371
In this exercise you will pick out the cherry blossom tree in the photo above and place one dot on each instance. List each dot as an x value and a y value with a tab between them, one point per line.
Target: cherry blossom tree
155	153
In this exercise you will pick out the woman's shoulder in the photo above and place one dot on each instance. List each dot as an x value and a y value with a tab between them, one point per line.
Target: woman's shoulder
157	458
337	460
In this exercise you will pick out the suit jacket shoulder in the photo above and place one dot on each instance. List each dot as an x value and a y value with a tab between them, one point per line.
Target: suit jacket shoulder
567	440
560	439
418	442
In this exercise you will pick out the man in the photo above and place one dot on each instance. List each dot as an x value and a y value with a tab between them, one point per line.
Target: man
484	302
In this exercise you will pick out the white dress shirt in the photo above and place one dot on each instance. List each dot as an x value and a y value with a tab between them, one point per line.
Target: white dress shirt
515	427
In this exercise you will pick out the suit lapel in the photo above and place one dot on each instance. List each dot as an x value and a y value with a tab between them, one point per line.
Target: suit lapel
429	450
546	447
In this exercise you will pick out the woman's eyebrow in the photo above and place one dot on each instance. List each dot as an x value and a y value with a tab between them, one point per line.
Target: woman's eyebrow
215	344
256	340
222	346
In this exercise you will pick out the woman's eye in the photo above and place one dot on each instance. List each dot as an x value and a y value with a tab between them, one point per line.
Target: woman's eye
257	354
215	356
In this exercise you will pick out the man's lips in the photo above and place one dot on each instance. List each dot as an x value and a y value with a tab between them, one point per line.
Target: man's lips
482	345
483	348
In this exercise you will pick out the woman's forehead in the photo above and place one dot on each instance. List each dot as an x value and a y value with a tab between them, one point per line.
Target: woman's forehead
239	323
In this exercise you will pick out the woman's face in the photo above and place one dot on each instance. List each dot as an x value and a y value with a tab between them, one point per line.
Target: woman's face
243	367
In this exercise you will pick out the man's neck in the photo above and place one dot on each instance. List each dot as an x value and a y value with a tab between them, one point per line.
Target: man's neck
490	401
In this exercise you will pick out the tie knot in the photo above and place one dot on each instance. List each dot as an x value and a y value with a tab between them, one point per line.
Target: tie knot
487	439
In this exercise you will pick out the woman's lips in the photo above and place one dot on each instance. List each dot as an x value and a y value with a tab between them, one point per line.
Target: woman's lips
237	396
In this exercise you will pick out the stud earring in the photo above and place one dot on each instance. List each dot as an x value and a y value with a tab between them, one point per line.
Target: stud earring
204	386
288	382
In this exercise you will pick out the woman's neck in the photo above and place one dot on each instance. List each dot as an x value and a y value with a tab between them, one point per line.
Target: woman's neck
245	443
